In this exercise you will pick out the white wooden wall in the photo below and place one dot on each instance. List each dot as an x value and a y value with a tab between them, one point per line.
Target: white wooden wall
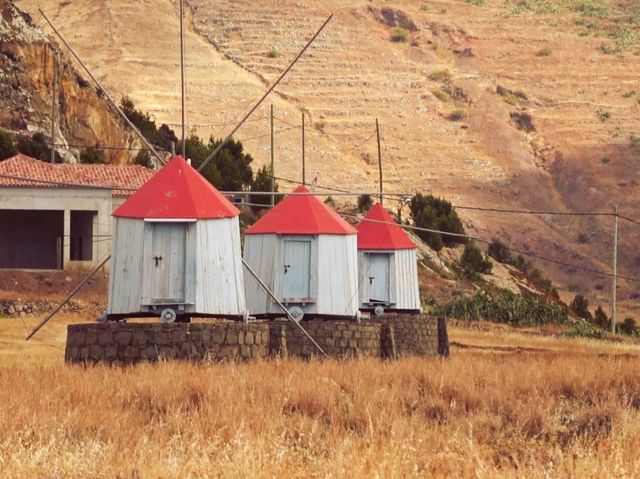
213	267
404	290
125	274
219	276
333	274
262	253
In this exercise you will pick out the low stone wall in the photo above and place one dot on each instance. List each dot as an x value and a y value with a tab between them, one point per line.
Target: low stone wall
414	335
121	343
336	338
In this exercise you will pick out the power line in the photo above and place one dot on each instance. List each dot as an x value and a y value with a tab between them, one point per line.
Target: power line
480	240
98	147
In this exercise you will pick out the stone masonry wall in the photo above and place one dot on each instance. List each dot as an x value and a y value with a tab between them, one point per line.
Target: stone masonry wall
122	343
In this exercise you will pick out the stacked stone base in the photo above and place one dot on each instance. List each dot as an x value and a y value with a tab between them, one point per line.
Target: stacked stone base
125	343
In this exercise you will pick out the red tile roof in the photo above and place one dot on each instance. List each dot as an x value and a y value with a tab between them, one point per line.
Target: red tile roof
301	214
378	231
23	171
177	191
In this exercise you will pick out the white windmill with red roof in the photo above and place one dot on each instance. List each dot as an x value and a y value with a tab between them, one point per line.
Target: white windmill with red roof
387	261
176	250
307	255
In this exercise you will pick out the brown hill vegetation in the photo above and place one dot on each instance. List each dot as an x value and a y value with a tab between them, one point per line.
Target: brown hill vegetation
525	104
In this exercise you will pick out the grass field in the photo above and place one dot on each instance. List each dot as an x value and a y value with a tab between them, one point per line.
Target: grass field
506	404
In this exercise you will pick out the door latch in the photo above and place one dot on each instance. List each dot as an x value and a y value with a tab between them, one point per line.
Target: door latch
371	279
157	259
286	268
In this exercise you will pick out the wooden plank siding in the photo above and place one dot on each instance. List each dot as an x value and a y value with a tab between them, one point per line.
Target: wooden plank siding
406	289
404	292
125	279
219	276
206	271
332	273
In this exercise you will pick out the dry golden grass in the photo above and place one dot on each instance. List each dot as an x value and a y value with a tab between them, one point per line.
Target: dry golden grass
531	414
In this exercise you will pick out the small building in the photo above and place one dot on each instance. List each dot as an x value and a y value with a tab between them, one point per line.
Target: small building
58	216
307	255
387	261
176	250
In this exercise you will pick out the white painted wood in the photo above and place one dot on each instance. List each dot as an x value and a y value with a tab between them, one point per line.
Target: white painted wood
337	275
379	278
296	266
164	263
125	280
219	275
332	273
404	291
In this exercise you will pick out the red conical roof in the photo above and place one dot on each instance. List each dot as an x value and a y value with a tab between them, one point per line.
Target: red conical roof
177	191
301	215
387	235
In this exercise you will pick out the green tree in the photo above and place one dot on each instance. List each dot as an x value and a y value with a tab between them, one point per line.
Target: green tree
229	170
37	147
436	214
365	202
600	318
262	183
143	158
628	326
580	306
92	156
499	251
162	137
330	202
473	261
7	148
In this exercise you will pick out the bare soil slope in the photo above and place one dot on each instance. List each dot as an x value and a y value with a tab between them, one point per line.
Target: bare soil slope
544	92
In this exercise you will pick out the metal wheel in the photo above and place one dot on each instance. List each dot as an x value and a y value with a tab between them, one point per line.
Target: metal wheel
168	315
296	313
378	311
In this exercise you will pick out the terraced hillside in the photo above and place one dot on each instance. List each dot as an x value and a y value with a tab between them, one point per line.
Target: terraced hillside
530	104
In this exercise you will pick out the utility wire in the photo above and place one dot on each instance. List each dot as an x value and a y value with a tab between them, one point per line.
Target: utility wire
480	240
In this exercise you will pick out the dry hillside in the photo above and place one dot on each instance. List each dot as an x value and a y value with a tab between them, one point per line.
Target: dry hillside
545	92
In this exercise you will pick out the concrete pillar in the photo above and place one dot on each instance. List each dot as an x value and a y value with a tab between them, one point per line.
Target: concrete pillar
66	240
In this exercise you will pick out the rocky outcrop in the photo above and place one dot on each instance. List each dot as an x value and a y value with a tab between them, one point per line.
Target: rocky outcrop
84	116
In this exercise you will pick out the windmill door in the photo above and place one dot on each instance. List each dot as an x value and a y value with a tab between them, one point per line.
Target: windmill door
296	269
164	262
379	278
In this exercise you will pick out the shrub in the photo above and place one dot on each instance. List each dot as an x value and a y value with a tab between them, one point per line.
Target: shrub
603	114
544	52
436	214
581	328
7	148
605	160
628	326
440	74
473	261
162	137
457	115
273	53
143	158
499	251
600	318
330	202
37	147
503	306
92	156
262	183
477	3
634	144
441	94
399	35
629	93
583	238
523	121
365	202
580	306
